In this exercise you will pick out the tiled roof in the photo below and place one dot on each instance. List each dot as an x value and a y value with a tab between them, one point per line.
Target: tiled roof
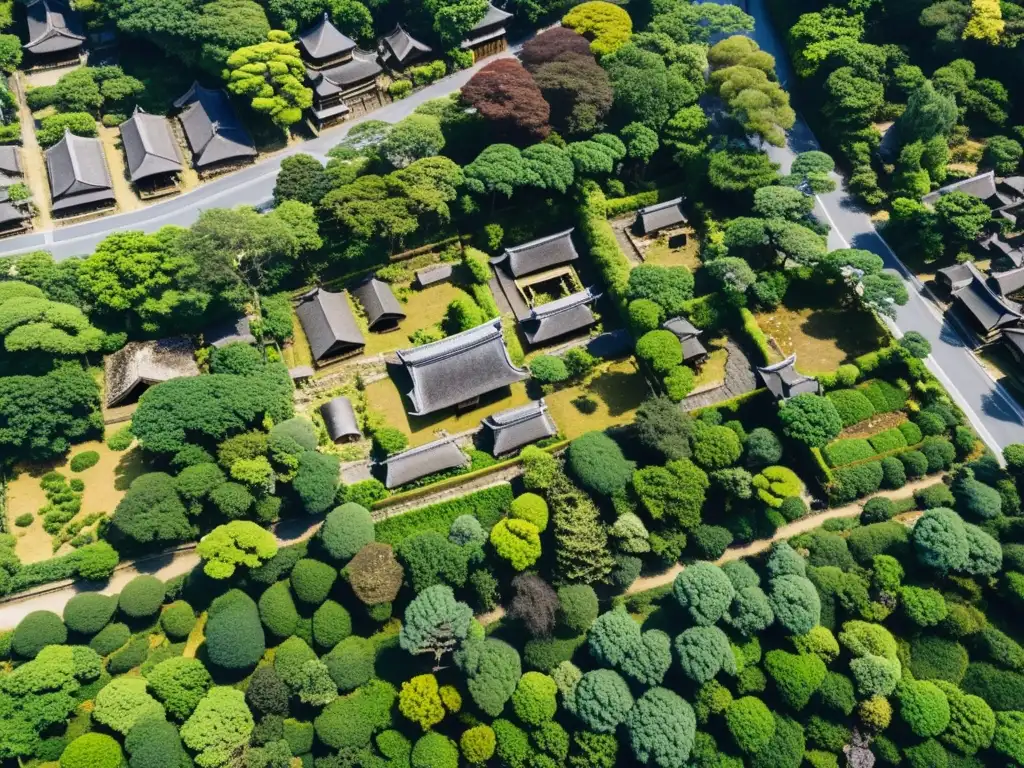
229	332
784	382
433	274
324	40
401	46
982	186
516	427
656	217
425	460
362	66
212	128
52	27
459	368
149	146
78	172
988	308
382	308
1015	338
340	419
491	17
539	254
141	363
560	317
1008	282
329	324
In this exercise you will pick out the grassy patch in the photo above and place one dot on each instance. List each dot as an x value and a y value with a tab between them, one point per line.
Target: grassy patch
298	352
105	484
617	389
822	334
659	253
422	307
712	373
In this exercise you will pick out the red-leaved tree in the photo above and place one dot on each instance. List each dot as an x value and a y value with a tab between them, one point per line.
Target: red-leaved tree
552	45
505	94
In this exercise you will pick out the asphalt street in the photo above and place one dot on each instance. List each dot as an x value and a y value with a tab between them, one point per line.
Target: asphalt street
253	185
991	409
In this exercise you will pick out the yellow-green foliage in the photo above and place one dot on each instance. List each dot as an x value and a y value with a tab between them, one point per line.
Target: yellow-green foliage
775	484
272	75
986	22
607	26
420	701
517	541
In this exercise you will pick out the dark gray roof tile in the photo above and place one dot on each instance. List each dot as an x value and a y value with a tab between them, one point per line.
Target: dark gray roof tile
212	128
382	308
362	66
149	146
560	317
433	274
459	368
340	419
988	308
428	459
78	172
401	46
141	363
329	324
229	332
324	40
539	254
982	186
10	160
52	27
657	217
516	427
784	382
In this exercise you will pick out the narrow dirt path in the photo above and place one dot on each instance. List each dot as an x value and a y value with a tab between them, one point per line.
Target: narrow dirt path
802	525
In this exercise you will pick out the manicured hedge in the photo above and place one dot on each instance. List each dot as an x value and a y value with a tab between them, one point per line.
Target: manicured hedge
141	597
178	619
84	460
848	451
234	635
488	506
36	631
852	405
889	440
911	432
855	481
89	612
884	397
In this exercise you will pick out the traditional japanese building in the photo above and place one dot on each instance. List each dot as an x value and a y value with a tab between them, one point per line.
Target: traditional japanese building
343	77
1004	196
340	420
458	370
982	299
215	135
561	317
152	153
487	37
516	427
400	49
79	177
689	338
55	34
140	364
383	312
655	218
784	382
330	326
438	456
236	331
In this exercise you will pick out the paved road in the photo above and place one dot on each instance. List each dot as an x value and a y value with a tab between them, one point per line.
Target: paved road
995	415
250	186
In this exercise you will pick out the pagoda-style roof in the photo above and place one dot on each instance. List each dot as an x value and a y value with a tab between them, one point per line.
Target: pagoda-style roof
654	218
399	47
212	128
459	369
1014	338
536	255
561	317
53	27
149	146
1008	282
381	306
516	427
784	382
988	308
490	27
78	173
340	419
688	335
237	331
425	460
361	67
324	41
330	326
983	186
139	364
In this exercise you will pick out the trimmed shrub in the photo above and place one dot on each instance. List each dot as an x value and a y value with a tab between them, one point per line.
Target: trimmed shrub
763	447
597	462
141	597
866	541
711	541
939	452
704	591
911	432
534	698
714	447
852	405
751	724
84	460
351	662
888	440
894	475
796	677
836	693
937	658
602	700
661	728
180	683
703	652
477	744
548	369
924	607
92	750
848	451
516	541
796	603
878	510
36	631
267	693
577	608
937	495
923	707
531	508
234	635
546	653
661	350
345	531
331	624
915	463
123	702
349	722
775	484
277	610
89	612
312	580
178	619
859	480
110	638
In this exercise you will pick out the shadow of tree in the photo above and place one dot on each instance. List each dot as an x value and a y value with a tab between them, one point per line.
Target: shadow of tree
130	466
